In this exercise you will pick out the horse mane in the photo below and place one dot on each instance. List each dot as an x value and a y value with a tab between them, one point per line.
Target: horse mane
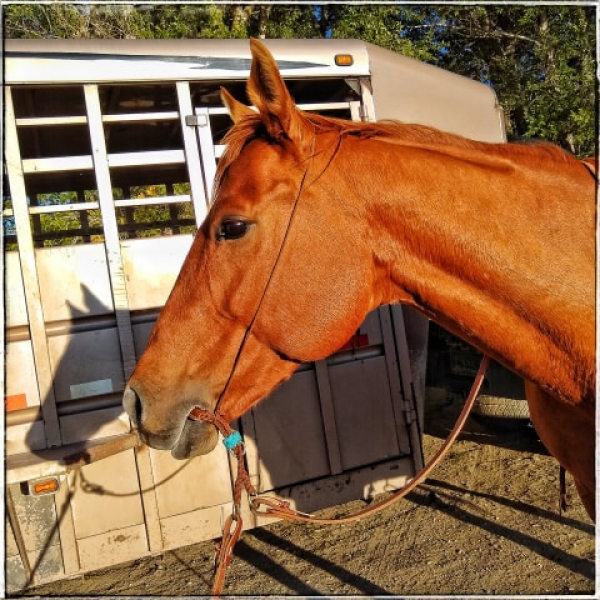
397	132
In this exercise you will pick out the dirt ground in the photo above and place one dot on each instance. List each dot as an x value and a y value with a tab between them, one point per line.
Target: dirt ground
485	523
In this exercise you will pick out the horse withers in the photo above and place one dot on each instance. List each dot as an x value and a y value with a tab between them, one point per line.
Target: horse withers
316	221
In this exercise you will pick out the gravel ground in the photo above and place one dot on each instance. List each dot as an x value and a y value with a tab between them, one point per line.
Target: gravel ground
485	523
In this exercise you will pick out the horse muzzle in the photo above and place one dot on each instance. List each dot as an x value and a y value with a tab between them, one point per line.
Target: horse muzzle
186	437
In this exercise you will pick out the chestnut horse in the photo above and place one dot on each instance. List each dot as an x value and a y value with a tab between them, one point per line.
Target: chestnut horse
316	221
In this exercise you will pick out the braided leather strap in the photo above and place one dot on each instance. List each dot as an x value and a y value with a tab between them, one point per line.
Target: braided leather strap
233	526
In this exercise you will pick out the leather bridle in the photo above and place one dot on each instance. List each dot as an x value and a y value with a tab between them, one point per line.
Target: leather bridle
198	413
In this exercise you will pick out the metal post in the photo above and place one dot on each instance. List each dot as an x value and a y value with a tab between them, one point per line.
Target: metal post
31	284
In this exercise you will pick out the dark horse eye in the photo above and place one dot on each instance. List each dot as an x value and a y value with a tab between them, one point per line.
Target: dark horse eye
232	229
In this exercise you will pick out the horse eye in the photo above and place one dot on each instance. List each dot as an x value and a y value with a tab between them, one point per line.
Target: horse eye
232	229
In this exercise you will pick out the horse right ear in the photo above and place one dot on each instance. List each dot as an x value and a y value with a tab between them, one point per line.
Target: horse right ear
268	92
237	110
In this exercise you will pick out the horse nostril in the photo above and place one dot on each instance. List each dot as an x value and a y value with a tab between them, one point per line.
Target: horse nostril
133	406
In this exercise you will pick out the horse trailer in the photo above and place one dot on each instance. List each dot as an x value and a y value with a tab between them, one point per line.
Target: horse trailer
110	152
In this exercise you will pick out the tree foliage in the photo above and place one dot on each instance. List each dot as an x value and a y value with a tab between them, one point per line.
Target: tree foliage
540	60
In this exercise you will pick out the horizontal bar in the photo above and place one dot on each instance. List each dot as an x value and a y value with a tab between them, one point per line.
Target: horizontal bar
221	110
139	159
98	322
55	208
44	121
53	461
325	106
86	404
105	449
122	159
17	333
60	163
152	200
82	120
358	354
23	416
149	116
217	110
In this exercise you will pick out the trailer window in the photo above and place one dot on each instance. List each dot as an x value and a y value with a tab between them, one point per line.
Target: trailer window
141	139
140	118
36	102
135	143
322	96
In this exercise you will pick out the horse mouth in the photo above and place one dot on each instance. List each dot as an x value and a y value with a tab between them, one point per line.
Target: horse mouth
185	435
197	437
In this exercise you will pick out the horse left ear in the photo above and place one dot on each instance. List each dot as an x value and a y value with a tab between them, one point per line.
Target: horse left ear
236	109
268	92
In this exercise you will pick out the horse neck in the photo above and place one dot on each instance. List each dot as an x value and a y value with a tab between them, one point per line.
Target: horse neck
472	240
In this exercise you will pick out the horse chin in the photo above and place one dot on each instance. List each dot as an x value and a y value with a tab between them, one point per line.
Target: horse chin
197	438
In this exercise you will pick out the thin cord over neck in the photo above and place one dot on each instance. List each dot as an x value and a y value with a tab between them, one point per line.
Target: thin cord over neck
250	326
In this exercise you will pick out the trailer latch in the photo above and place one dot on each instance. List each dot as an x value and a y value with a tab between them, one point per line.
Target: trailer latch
196	120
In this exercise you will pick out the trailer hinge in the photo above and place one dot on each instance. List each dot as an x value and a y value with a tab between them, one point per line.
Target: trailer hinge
196	120
409	404
409	413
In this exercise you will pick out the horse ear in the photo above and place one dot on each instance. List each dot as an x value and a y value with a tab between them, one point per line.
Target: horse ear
236	109
268	92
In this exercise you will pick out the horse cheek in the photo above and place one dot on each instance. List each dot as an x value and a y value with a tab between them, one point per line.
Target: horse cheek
313	313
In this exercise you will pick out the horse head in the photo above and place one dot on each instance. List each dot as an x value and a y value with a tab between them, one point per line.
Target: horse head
276	275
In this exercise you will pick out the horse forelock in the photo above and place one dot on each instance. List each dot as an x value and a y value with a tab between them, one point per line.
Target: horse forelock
235	140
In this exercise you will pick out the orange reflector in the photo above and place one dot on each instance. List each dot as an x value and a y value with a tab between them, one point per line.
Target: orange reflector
344	60
43	487
15	402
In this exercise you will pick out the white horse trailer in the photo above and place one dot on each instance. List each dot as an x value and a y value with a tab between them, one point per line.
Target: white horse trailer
110	154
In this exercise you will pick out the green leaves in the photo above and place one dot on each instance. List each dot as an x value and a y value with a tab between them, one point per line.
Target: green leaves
539	59
540	62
